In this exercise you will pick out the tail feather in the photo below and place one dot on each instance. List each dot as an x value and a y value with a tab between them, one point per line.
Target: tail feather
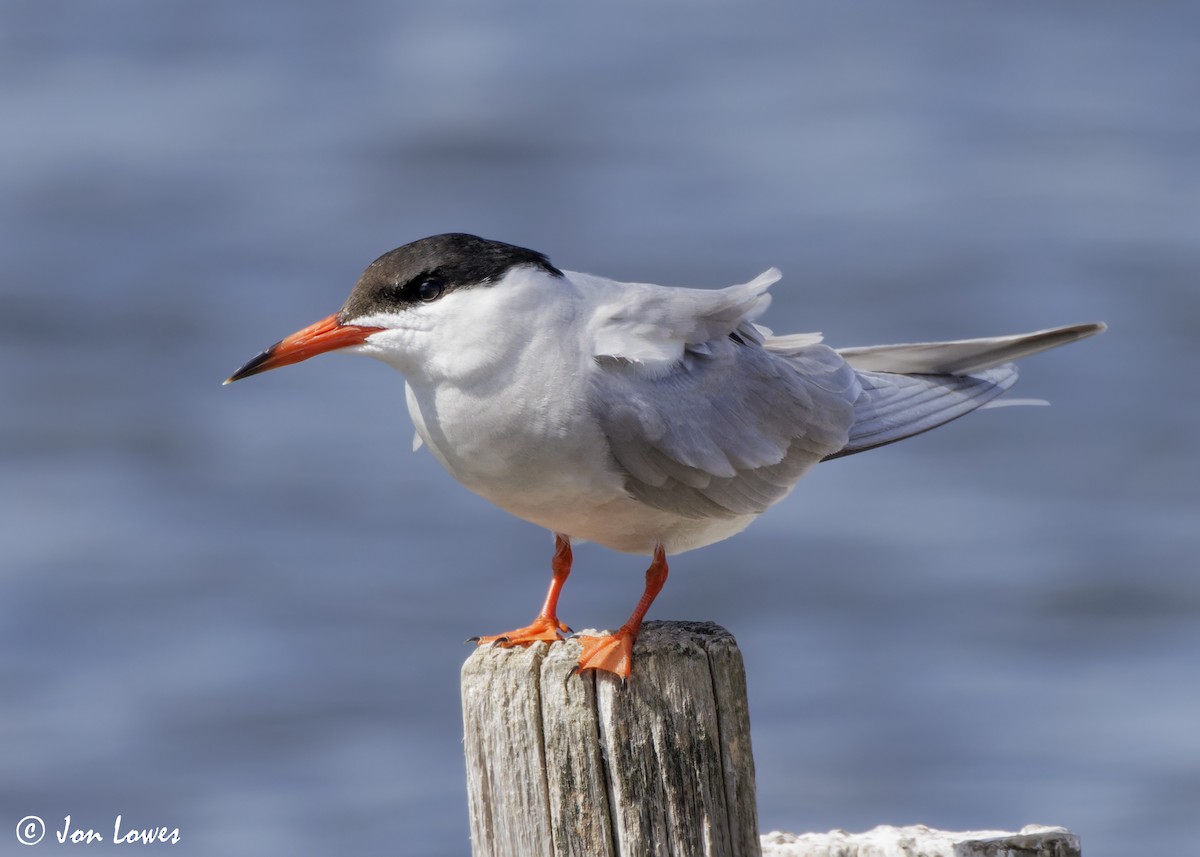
963	356
893	407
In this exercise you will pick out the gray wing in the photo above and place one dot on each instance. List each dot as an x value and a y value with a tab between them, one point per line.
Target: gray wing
729	428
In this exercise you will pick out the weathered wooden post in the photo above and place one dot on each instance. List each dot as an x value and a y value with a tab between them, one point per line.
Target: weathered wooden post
562	764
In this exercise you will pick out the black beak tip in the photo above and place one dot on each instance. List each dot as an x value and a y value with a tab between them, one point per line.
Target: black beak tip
252	367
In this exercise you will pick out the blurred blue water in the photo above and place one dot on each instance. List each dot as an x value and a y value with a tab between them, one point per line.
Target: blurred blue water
239	611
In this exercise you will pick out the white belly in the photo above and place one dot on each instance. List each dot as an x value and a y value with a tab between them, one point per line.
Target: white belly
552	469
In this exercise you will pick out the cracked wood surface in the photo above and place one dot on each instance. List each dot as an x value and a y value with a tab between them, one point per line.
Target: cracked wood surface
562	764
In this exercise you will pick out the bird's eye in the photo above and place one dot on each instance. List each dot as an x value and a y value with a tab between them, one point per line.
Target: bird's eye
429	290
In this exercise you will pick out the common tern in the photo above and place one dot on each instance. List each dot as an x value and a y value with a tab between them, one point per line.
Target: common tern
648	419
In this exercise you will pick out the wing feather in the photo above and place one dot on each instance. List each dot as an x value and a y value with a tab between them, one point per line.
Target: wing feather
653	325
727	430
893	407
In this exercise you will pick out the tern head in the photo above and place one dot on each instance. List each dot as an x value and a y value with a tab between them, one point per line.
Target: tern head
426	300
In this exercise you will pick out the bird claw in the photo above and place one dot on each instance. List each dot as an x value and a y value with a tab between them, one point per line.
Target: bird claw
500	640
541	630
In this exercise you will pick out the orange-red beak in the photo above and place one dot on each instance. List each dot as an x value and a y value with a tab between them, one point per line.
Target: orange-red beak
326	335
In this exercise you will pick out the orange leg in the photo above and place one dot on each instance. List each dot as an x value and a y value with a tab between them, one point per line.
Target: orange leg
614	652
545	628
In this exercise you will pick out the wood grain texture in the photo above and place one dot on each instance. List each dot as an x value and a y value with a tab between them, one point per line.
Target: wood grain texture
587	765
506	788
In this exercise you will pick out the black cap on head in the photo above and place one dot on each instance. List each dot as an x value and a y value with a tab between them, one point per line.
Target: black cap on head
425	270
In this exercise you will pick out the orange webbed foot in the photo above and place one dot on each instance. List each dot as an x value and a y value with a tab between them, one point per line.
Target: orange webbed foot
611	653
542	630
